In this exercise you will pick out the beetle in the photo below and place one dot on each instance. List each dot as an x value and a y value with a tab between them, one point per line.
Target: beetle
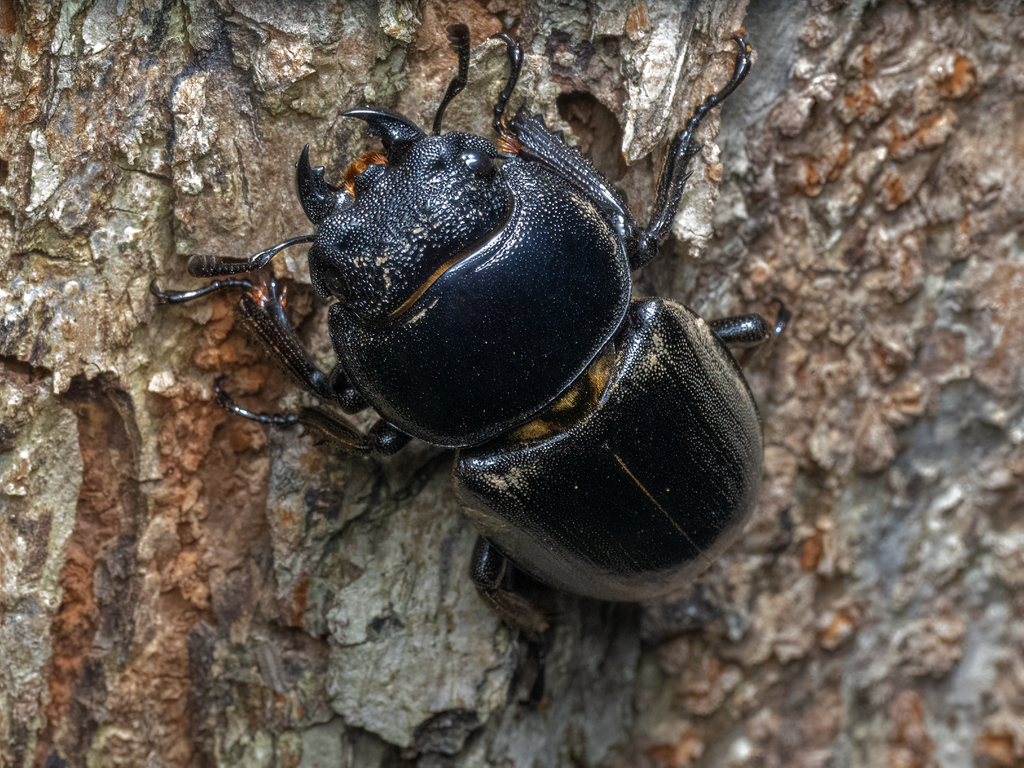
605	445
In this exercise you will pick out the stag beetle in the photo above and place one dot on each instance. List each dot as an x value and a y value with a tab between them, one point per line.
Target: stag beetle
607	446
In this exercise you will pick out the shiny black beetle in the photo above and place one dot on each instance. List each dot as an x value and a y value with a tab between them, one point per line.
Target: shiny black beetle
607	446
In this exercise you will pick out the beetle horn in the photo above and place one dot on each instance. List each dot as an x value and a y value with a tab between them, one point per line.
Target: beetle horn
318	198
396	131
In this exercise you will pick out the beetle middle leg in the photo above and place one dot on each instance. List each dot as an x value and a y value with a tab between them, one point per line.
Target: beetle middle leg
681	150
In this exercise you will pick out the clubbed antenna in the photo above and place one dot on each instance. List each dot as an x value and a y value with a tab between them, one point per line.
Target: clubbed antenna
458	40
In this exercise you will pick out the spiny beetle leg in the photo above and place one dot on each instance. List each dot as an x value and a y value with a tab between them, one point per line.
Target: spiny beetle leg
495	578
261	311
383	439
681	151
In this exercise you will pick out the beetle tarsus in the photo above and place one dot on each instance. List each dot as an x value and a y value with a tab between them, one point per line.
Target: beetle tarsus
225	401
180	297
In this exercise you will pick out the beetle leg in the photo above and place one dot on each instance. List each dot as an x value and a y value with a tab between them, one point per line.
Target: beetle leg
746	331
262	313
681	151
261	310
382	440
180	297
315	420
495	578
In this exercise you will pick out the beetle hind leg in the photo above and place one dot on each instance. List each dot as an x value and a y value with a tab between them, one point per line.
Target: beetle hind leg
505	589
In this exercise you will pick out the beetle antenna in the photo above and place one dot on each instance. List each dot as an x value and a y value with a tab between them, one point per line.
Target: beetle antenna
458	41
211	266
515	66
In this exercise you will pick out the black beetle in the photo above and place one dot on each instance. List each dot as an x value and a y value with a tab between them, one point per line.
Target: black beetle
607	446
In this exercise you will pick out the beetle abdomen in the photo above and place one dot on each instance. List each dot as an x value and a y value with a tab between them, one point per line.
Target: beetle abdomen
629	491
501	332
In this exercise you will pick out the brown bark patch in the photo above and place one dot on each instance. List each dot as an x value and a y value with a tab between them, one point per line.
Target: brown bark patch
102	546
912	747
962	82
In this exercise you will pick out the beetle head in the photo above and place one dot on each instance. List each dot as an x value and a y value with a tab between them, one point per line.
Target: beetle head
382	238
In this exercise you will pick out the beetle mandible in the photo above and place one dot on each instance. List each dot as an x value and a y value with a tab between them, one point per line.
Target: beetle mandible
605	445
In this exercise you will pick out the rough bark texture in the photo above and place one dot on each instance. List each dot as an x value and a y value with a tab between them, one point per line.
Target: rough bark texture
181	587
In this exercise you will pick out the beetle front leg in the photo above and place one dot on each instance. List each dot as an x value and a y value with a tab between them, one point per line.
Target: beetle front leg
495	578
261	310
262	313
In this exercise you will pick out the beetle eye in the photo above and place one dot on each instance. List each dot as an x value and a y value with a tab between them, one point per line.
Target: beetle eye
478	162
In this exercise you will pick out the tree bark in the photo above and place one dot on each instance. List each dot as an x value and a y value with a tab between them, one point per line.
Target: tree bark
182	587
